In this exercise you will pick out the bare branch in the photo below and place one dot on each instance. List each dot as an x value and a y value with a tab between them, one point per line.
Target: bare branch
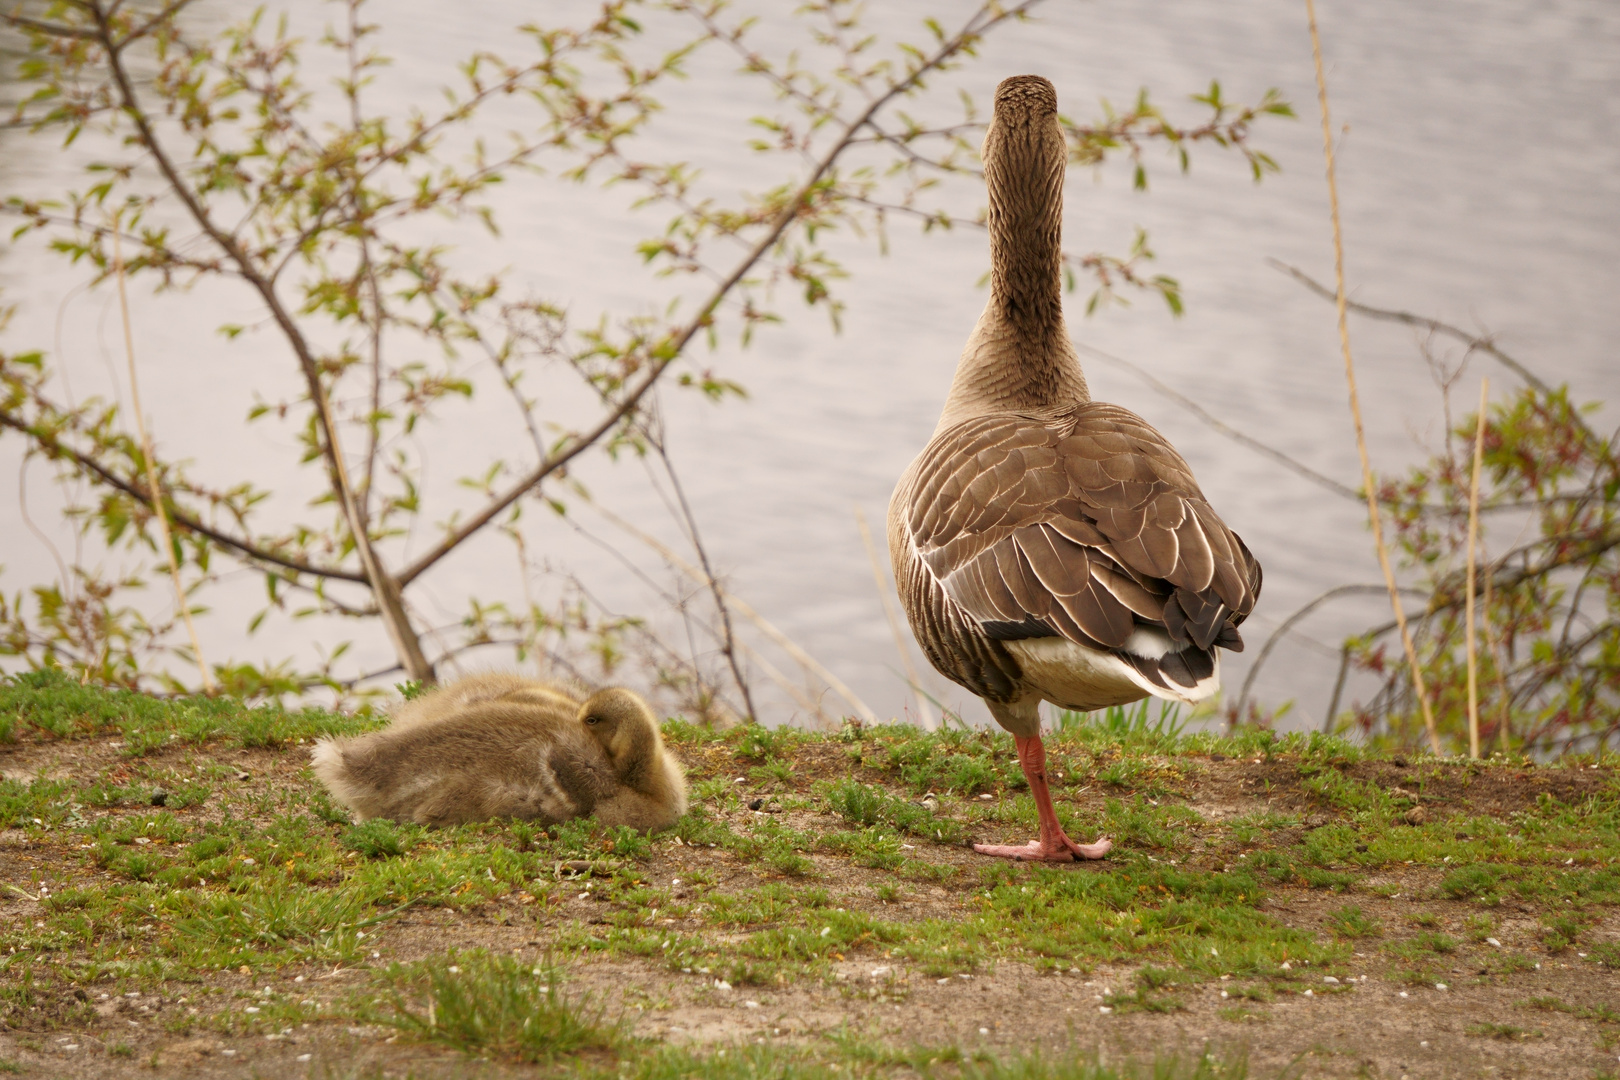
1473	341
1288	624
668	352
1165	390
180	518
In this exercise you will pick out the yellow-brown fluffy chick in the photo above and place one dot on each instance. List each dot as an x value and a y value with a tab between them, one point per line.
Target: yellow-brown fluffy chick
501	746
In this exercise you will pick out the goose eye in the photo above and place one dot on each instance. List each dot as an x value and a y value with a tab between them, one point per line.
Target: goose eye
593	720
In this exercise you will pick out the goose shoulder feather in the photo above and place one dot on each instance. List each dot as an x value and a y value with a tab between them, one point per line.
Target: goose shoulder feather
1085	525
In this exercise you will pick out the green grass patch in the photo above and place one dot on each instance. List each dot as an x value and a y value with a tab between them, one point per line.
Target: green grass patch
495	1005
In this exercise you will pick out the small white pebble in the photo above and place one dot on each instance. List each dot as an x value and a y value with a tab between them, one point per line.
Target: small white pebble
298	978
1104	1009
1212	952
880	972
943	981
721	984
1225	994
986	797
1403	993
750	1004
1441	986
1493	941
984	1031
453	970
825	930
1310	993
1286	966
304	1057
1330	979
1425	1042
228	1053
251	1009
70	1046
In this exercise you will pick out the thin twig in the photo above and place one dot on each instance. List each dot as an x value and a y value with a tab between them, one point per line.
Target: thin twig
1288	623
788	645
1355	402
926	714
728	637
1221	426
151	471
1338	689
1473	535
1473	341
1493	647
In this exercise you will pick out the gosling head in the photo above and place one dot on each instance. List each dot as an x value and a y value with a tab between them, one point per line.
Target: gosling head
626	728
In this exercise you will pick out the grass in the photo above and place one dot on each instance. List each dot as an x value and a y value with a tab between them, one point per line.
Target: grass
485	1004
832	850
1351	922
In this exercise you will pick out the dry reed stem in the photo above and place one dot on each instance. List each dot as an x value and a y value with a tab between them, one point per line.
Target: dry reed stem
1473	536
924	712
151	470
787	644
1493	647
1355	401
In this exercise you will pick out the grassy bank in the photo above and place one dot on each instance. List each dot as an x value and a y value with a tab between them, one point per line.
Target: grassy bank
179	891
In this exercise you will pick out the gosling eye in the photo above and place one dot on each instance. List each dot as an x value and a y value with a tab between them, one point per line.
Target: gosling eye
593	720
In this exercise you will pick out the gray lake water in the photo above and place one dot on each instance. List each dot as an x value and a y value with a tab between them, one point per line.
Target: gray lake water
1480	178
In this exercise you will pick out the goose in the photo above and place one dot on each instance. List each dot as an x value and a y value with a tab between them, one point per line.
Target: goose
1048	547
499	746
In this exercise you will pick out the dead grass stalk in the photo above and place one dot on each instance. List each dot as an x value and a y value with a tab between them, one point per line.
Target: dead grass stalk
151	467
1355	401
1473	537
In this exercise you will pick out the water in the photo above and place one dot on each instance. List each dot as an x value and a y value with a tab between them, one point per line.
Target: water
1480	178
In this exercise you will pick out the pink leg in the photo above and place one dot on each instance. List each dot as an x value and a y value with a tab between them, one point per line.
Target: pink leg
1054	845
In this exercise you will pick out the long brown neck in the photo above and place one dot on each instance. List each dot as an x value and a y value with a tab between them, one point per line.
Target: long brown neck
1024	174
1019	357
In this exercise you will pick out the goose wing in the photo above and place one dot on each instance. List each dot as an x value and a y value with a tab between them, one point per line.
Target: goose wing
1087	526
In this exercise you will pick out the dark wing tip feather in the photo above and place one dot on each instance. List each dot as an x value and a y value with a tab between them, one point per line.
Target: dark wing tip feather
1003	630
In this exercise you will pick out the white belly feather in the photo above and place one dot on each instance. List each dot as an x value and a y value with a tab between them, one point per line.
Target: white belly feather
1072	676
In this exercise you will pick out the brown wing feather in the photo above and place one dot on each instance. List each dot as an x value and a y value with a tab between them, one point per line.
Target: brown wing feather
1084	525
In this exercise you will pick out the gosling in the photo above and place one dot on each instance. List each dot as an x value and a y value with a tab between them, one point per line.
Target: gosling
500	746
